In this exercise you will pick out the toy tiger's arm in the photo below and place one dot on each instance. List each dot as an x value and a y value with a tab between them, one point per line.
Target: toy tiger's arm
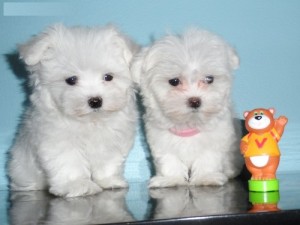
244	145
280	124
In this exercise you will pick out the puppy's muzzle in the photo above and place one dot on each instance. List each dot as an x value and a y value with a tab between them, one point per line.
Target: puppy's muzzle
95	102
194	102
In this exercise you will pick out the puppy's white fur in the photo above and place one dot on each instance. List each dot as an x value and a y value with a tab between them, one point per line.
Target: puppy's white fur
64	144
210	157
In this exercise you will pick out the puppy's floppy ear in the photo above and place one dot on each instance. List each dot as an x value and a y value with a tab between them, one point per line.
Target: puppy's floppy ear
137	66
234	59
131	50
34	50
128	47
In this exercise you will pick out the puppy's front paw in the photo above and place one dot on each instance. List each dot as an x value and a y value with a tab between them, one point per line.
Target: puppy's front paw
210	179
161	181
75	188
112	182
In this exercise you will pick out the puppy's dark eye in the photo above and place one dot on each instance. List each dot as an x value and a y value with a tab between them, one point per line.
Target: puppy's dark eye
108	77
209	79
174	82
72	80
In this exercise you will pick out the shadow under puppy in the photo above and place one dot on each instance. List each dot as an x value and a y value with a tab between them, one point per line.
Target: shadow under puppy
185	83
80	125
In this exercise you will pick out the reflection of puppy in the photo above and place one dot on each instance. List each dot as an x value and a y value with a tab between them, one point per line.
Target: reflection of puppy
28	207
80	126
186	82
198	201
106	207
35	206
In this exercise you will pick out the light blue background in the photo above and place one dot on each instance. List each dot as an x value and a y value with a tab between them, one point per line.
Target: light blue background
265	34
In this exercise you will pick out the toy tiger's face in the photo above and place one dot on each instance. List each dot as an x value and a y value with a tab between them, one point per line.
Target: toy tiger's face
259	120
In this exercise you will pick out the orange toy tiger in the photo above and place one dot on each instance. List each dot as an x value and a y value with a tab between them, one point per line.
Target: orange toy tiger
259	146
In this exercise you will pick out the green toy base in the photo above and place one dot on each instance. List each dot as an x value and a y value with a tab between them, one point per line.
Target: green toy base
270	197
263	185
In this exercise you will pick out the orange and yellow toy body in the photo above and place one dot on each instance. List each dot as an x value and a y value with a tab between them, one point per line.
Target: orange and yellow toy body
260	148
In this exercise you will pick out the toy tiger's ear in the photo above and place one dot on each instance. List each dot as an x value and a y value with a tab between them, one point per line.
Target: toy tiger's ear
246	114
272	110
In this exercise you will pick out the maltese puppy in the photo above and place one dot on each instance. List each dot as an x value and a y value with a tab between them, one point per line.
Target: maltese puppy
80	125
185	83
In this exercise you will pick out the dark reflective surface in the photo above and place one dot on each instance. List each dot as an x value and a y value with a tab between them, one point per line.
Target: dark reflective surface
141	204
195	201
40	208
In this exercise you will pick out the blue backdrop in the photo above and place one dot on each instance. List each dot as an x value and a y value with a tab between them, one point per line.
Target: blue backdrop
265	33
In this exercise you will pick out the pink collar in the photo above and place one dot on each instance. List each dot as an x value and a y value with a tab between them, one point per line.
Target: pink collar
184	132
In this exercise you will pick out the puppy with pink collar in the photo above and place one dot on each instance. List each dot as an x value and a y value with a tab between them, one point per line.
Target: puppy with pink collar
185	84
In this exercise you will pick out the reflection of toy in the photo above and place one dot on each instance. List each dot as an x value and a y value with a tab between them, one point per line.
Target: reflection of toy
260	147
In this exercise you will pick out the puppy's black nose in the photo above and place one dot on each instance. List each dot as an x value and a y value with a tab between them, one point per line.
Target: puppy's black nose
95	102
194	102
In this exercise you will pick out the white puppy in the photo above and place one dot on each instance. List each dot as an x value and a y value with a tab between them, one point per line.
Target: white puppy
185	84
80	124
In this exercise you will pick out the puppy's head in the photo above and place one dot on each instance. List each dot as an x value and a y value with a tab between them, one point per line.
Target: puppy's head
80	71
186	78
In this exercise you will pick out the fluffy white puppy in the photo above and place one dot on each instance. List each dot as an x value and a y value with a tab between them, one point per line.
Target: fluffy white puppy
186	83
80	124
